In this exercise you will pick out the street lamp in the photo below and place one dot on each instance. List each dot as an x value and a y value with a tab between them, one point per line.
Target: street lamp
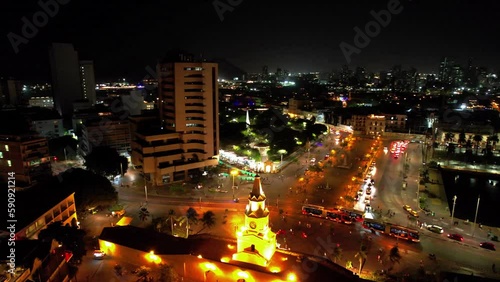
234	172
281	152
453	210
475	217
418	194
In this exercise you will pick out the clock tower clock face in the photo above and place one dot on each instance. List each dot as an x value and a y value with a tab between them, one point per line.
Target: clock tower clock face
253	225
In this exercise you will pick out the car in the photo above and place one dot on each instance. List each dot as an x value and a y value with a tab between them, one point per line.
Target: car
281	232
456	237
487	245
368	191
360	192
303	235
435	228
407	208
98	254
414	213
313	160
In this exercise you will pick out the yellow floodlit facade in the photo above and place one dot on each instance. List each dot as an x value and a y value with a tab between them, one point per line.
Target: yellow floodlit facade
256	242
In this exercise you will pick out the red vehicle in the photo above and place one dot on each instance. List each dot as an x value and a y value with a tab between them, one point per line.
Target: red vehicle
281	232
304	235
487	245
456	237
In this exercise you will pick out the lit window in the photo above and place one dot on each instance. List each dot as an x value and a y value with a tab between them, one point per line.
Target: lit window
1	155
7	148
9	162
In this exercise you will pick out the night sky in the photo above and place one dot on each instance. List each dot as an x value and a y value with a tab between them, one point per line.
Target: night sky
124	37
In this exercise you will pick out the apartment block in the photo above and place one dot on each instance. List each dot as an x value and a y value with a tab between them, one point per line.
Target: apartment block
27	156
395	122
188	138
109	131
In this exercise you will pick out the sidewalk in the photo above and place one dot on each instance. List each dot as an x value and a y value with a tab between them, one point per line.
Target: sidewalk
442	211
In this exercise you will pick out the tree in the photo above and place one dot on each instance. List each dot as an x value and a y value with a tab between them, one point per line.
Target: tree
70	237
361	255
477	138
449	137
167	273
143	273
192	215
106	161
394	255
143	213
208	219
461	138
337	253
91	190
494	140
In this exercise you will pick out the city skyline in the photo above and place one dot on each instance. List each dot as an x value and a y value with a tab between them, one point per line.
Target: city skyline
123	40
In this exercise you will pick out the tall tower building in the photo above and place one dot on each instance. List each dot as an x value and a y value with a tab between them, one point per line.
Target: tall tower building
66	81
10	91
256	241
189	111
445	70
88	81
188	97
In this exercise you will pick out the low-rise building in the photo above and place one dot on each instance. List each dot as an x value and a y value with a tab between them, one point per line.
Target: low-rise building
35	261
373	125
42	102
27	156
36	208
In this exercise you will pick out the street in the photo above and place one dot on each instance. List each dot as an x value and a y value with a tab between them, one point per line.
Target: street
295	185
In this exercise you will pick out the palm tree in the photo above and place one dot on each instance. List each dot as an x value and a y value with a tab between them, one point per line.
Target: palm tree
394	255
477	138
494	140
337	253
143	273
143	214
167	273
361	255
449	137
461	138
208	219
192	215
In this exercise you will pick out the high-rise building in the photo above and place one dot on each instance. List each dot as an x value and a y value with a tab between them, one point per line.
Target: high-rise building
188	139
10	91
66	80
88	80
445	69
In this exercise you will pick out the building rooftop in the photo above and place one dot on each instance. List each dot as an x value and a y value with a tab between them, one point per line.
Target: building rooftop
31	203
215	249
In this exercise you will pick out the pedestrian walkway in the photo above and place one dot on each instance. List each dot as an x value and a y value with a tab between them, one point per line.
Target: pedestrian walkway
441	207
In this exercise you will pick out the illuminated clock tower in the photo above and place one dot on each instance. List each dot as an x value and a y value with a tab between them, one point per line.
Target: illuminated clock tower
256	241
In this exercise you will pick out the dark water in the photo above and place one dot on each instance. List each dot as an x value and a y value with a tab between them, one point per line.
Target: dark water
467	187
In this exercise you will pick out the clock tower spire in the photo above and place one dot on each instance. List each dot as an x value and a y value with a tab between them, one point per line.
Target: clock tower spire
256	241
